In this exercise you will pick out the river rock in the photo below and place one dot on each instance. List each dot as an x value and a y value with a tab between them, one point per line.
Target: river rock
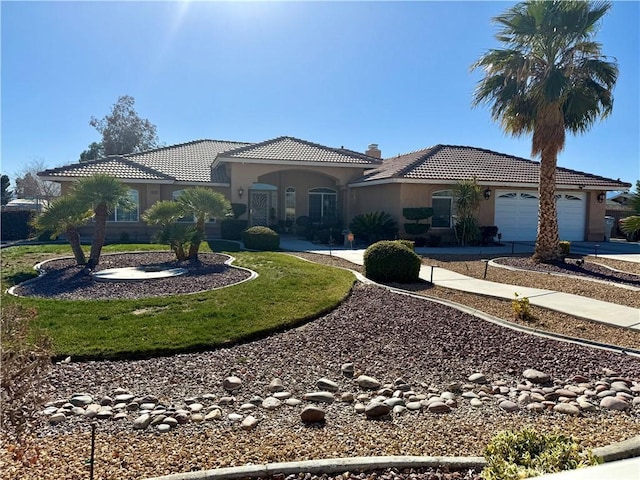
312	415
536	376
370	383
376	410
567	409
232	383
142	421
271	403
319	397
614	403
479	378
328	385
275	385
249	423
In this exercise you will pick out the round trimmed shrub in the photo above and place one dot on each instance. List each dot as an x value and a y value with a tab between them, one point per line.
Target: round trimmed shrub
391	261
261	238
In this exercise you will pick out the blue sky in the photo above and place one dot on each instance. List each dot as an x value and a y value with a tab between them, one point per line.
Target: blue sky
339	74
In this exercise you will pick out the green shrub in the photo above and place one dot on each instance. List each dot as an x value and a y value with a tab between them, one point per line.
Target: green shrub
416	228
410	244
232	228
391	261
527	453
16	224
373	226
565	248
261	238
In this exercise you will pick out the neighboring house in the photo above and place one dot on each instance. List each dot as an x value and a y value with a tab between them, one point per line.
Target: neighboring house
618	207
35	204
285	178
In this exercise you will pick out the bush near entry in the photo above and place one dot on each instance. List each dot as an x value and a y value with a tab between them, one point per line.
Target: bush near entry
391	261
261	238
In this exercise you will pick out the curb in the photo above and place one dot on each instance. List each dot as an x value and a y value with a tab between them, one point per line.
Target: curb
618	451
330	465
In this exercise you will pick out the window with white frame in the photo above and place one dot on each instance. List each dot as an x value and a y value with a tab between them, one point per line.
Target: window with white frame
442	204
323	205
290	204
121	214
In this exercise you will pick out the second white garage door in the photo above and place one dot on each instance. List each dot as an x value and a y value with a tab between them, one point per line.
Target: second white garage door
516	215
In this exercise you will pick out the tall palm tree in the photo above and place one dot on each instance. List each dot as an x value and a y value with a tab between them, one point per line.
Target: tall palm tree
550	78
65	215
204	204
102	194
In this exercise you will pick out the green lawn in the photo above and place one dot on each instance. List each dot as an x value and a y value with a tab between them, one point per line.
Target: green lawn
287	291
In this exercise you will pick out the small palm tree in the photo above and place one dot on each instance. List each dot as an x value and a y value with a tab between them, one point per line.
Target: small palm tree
204	204
102	194
177	235
550	78
467	196
65	215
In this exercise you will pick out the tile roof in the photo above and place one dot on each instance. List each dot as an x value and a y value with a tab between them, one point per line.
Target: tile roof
291	149
185	162
118	167
453	162
188	162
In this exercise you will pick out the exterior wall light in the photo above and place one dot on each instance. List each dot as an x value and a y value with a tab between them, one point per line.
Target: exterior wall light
601	197
240	192
487	193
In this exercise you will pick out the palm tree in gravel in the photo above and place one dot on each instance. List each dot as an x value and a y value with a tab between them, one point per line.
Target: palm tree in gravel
102	194
164	214
550	78
204	204
64	216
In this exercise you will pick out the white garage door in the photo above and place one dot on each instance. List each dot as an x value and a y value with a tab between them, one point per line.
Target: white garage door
516	215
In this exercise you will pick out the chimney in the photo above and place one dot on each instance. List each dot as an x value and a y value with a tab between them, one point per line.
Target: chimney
374	151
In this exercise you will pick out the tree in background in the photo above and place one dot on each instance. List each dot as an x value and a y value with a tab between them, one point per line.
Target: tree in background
6	193
550	78
64	216
102	194
630	226
94	152
29	185
123	131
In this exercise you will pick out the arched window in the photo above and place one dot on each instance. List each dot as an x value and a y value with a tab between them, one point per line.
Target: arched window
120	214
442	204
323	205
290	204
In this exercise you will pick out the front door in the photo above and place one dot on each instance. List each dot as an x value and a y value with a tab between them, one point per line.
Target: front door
259	208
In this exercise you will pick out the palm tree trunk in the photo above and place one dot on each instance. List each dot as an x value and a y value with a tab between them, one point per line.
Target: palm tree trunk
194	248
74	240
547	248
99	234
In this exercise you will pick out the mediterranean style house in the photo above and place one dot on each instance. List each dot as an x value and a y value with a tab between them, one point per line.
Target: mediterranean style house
282	179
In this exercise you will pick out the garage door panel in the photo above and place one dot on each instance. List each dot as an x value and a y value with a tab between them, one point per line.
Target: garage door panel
516	215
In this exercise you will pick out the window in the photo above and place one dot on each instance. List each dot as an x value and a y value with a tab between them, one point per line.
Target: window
323	205
120	214
442	203
290	204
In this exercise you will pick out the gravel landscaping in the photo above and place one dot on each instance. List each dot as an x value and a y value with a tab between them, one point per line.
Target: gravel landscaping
63	279
390	374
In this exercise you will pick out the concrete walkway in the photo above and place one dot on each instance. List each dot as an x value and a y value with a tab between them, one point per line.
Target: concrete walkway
574	305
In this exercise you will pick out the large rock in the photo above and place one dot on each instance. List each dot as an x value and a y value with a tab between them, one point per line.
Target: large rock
312	415
370	383
232	383
536	376
249	423
478	378
57	418
376	410
508	406
319	397
81	400
614	403
438	407
567	409
271	403
328	385
275	385
142	421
